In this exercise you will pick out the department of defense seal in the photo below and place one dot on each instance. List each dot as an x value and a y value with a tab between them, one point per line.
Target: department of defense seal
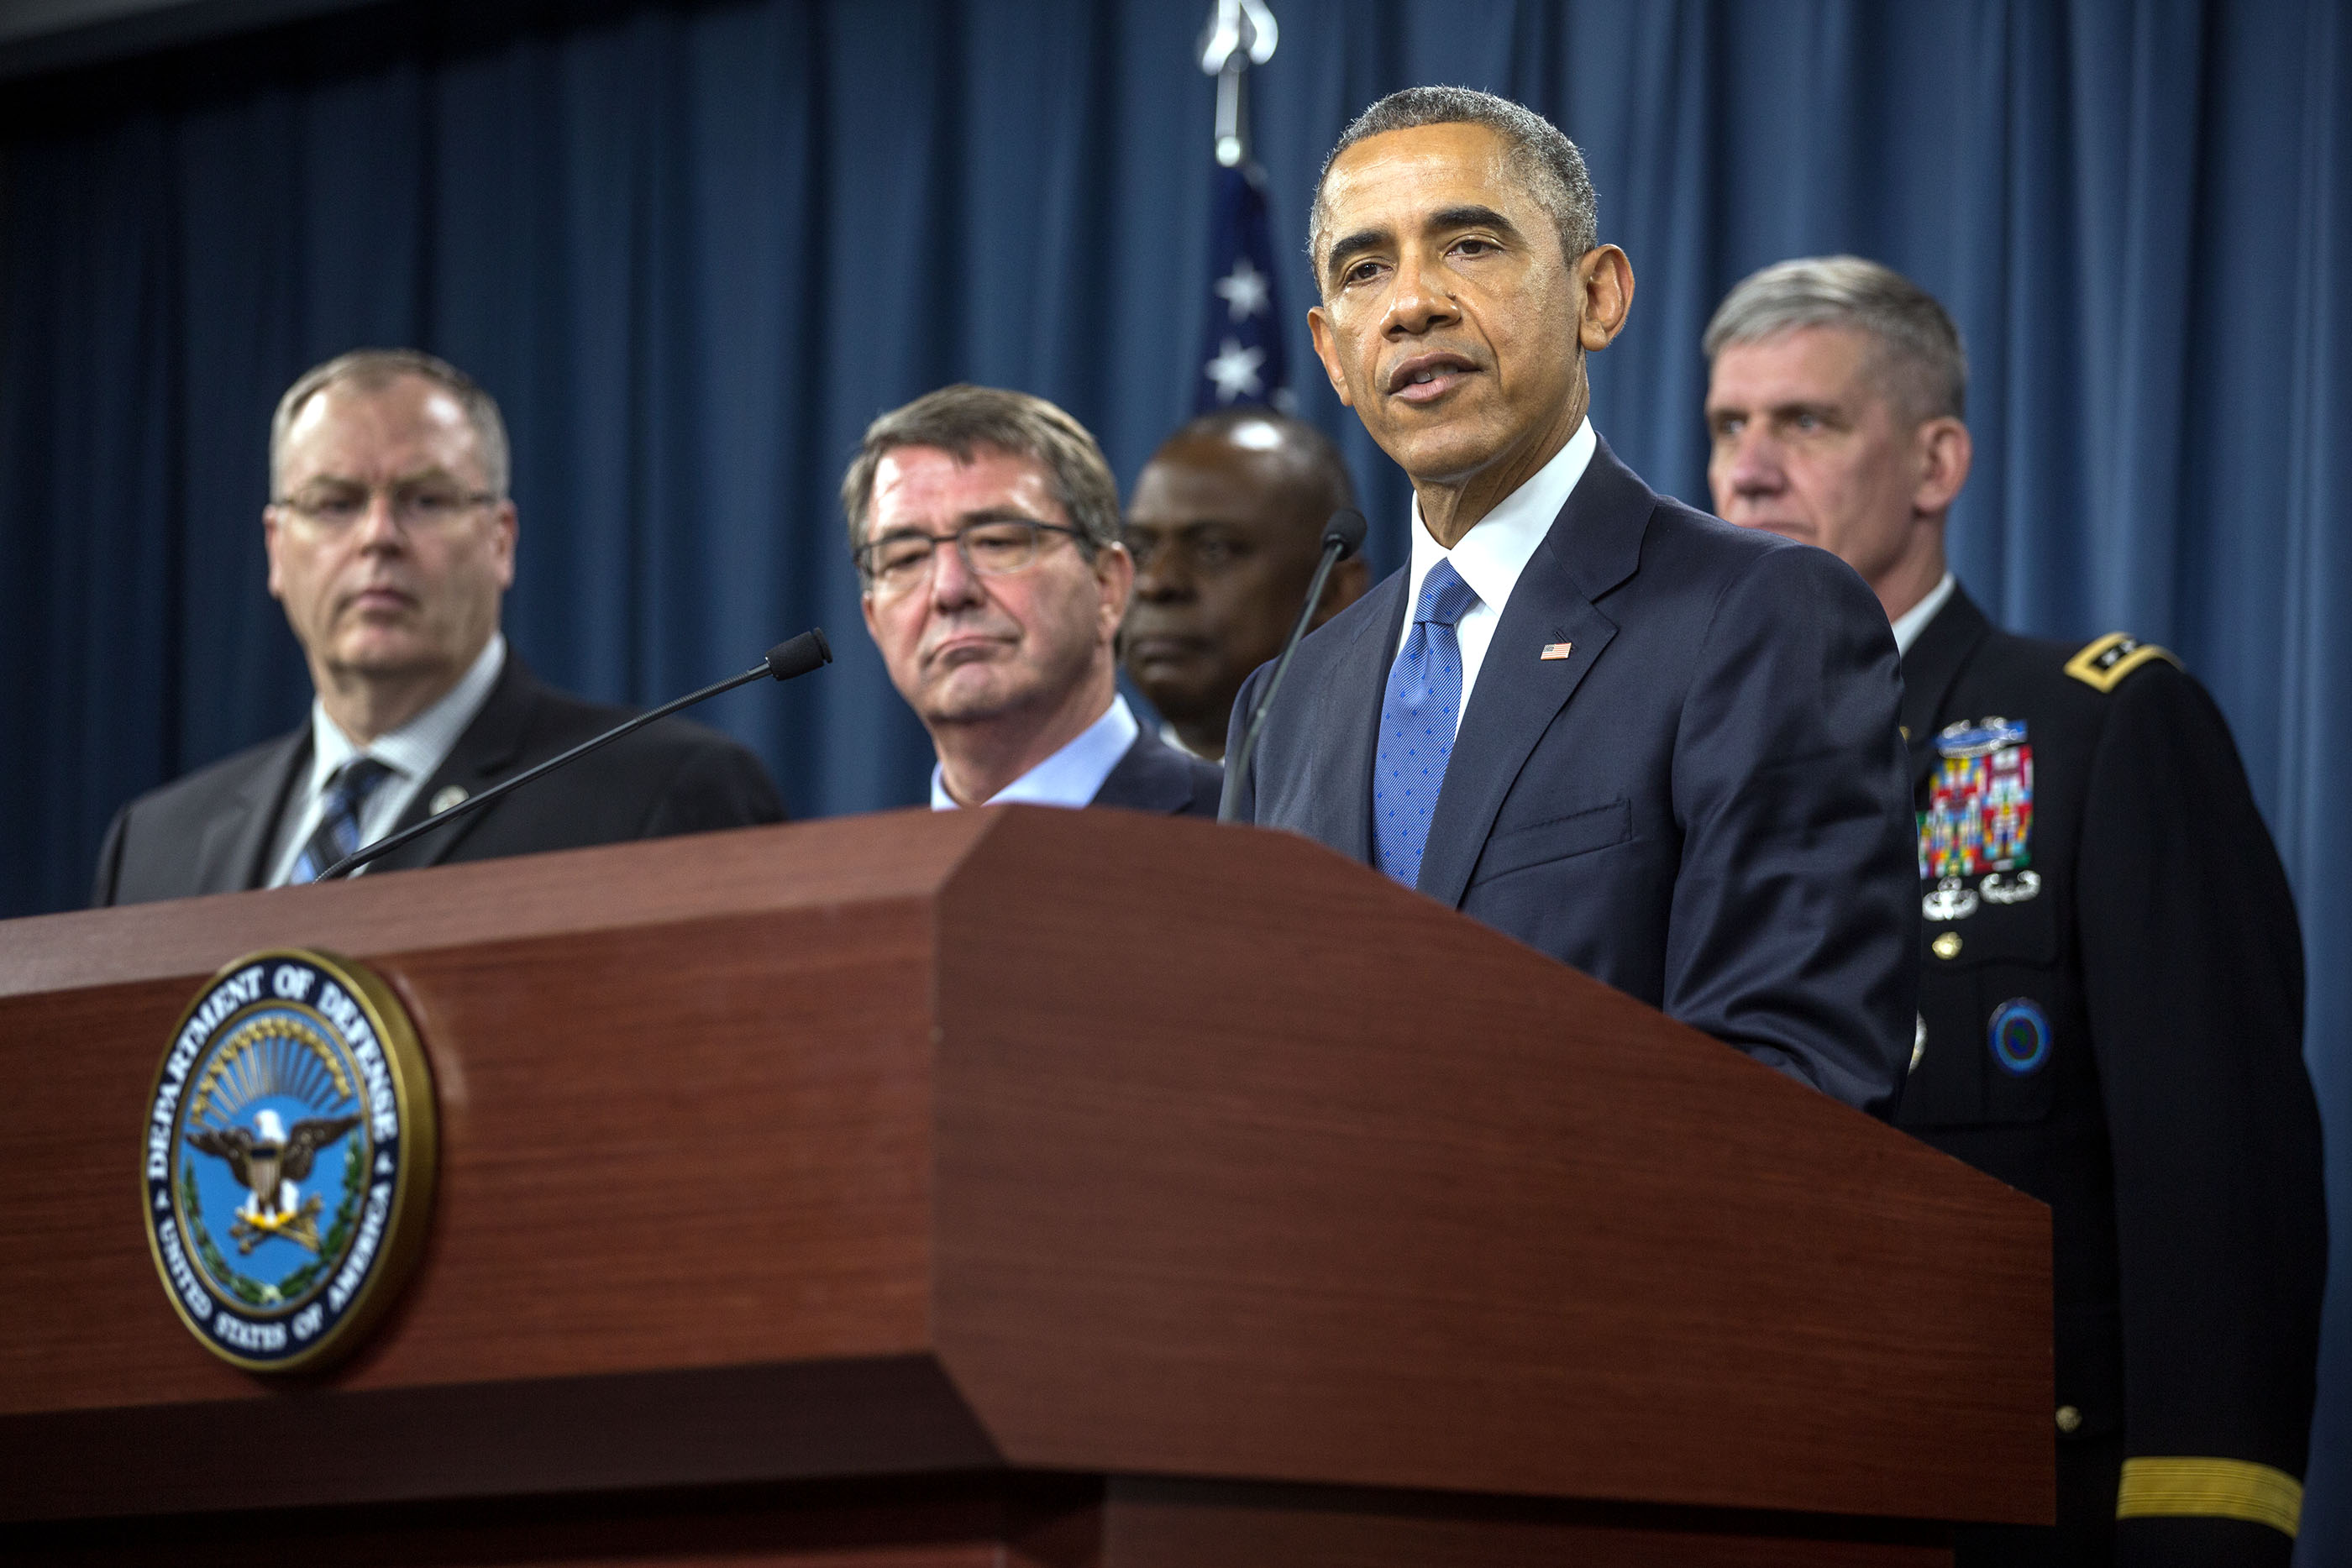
290	1158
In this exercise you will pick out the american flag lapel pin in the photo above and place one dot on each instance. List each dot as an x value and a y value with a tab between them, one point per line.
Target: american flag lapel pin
1556	650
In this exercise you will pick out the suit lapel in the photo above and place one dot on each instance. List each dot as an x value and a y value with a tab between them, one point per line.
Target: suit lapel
1347	700
1594	544
1931	669
231	854
1149	777
483	754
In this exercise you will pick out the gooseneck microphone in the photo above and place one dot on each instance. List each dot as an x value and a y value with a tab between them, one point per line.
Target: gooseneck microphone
795	656
1343	535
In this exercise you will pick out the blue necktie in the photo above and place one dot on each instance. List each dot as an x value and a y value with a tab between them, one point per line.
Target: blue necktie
1417	723
338	832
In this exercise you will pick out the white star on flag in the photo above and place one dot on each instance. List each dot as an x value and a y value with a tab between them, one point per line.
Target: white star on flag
1235	370
1244	290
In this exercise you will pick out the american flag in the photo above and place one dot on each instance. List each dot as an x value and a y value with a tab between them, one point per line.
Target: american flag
1242	359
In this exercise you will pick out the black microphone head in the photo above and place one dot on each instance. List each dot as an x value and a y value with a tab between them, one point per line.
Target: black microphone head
1347	526
799	655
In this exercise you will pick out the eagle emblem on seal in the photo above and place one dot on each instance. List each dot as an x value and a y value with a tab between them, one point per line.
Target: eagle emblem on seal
269	1160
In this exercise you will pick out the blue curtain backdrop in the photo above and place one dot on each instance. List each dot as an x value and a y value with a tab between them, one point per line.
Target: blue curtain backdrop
693	247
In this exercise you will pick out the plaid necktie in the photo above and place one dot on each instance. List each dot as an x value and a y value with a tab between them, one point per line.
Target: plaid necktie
338	832
1417	723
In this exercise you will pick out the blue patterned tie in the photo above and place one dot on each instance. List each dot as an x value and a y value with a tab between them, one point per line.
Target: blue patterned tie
1417	724
338	832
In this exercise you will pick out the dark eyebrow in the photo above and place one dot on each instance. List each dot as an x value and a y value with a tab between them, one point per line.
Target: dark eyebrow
976	517
1473	217
1346	250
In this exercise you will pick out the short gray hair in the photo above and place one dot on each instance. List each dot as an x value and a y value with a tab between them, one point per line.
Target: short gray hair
1544	161
375	369
959	420
1920	356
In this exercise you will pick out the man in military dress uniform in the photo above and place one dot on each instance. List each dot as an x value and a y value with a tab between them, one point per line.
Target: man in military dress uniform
2111	1015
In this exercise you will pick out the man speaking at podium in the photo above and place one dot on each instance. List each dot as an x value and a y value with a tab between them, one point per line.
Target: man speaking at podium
985	528
392	541
1639	739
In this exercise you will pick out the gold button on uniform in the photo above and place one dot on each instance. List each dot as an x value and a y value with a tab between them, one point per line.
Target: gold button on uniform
1948	946
2069	1418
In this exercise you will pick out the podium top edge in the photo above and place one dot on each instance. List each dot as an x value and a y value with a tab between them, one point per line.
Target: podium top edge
873	857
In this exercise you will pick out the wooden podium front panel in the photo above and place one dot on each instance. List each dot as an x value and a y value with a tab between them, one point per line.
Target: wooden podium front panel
1192	1524
989	1522
1253	1166
1030	1140
686	1124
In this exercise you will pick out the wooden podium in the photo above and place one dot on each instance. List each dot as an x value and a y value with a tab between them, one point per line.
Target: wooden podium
1017	1186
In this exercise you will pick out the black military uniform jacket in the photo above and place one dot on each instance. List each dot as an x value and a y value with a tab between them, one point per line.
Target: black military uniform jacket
2112	1021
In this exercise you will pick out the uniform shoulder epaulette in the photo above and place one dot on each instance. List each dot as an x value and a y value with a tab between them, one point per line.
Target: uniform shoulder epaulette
2102	665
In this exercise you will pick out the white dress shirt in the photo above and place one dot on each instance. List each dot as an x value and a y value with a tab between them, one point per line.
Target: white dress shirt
1072	776
413	752
1495	551
1168	737
1914	621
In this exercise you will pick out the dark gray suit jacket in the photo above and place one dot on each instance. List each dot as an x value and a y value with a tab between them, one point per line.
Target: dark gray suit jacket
1703	803
213	830
1153	776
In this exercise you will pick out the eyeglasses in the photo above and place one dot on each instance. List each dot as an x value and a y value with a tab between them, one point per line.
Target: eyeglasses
421	505
993	547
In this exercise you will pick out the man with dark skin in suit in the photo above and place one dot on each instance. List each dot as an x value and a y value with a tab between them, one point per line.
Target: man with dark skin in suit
1655	746
1225	527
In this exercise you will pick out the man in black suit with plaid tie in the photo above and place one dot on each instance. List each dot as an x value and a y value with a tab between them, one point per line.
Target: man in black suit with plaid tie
392	541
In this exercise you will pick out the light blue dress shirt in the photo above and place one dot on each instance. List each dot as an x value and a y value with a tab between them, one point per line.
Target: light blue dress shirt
1071	776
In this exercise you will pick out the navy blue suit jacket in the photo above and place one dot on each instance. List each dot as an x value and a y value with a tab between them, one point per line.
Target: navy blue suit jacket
1703	804
1153	776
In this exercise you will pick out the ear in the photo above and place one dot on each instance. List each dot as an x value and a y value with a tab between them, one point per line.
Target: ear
1944	452
865	608
269	546
1606	277
508	523
1318	326
1344	587
1115	575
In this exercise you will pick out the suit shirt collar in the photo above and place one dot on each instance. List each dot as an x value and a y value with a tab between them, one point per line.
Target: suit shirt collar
1497	547
1931	669
1175	742
418	748
1072	776
413	752
1914	621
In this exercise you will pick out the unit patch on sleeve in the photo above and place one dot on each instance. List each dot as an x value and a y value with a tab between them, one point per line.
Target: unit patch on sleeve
2103	663
1979	819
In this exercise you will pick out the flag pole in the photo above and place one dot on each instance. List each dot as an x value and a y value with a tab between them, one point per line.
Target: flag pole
1241	33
